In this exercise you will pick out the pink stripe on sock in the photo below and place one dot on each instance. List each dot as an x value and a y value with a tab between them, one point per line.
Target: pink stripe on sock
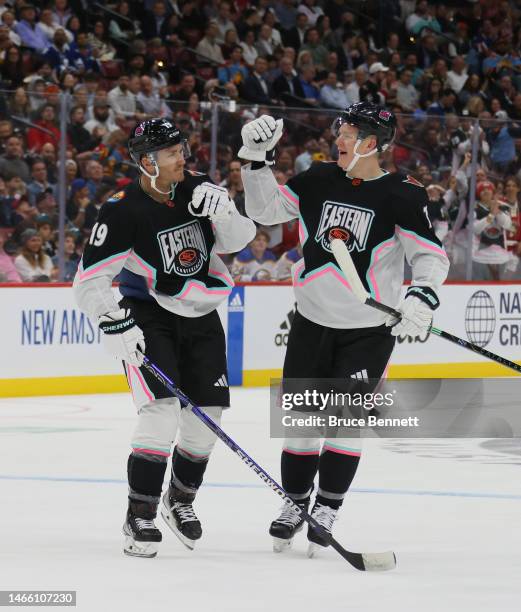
149	451
294	452
342	452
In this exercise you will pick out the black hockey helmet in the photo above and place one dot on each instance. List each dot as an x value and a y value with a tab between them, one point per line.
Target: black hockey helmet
371	120
153	135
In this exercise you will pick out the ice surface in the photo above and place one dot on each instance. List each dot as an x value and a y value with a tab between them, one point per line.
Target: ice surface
449	509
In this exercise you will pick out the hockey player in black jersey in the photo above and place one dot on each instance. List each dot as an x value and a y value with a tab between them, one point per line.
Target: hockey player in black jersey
382	217
161	236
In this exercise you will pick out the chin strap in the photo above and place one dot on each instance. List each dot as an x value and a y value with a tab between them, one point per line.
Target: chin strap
153	177
357	156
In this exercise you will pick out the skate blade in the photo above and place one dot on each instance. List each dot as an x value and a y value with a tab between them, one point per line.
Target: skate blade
314	550
280	545
190	544
147	550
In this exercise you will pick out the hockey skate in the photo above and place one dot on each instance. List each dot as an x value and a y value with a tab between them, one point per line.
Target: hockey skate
325	516
179	515
284	528
142	537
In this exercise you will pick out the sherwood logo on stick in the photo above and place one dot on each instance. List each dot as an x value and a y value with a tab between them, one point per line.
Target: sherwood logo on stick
349	223
183	249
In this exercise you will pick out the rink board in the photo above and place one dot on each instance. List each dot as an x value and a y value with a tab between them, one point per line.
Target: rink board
51	348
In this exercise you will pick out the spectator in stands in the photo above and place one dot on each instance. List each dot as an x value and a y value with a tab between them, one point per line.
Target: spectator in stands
72	259
36	138
94	176
49	26
428	52
492	220
12	162
12	70
285	11
150	101
295	36
307	82
285	263
332	94
8	271
231	40
186	89
249	52
311	10
48	154
80	56
256	262
287	87
102	49
223	21
265	45
353	89
29	31
406	93
122	27
155	21
62	13
233	184
256	87
501	138
123	101
78	201
101	118
233	71
46	233
208	45
79	137
33	265
319	53
457	77
39	182
19	103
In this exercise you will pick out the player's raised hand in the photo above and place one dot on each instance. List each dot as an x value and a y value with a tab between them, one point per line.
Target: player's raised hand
259	137
209	200
122	337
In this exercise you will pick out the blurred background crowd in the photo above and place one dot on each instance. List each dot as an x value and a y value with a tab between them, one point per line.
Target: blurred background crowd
451	71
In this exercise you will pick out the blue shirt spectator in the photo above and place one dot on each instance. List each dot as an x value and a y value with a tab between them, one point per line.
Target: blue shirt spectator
30	32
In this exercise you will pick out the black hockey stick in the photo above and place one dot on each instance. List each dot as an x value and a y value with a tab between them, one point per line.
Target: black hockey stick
360	561
348	268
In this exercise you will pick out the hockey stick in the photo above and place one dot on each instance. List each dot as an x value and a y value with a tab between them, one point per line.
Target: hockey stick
360	561
348	268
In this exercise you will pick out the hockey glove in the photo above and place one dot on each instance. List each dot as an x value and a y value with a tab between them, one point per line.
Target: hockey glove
122	337
416	309
259	138
209	200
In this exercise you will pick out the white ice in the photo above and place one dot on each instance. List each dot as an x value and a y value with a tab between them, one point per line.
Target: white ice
451	511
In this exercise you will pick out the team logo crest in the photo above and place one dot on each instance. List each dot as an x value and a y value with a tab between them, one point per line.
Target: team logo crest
345	222
140	130
385	115
183	249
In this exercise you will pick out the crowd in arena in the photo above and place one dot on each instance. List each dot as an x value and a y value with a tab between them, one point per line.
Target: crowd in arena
451	71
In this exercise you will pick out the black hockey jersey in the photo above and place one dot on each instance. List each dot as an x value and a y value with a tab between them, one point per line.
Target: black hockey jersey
380	220
160	252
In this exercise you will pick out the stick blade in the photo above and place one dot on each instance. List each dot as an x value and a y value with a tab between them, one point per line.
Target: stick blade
343	258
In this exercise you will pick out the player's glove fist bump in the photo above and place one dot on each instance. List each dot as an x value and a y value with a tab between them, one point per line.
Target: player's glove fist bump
259	138
416	309
209	200
122	337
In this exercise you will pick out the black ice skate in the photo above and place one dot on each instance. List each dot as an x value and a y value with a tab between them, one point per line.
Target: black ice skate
286	526
325	516
142	536
179	515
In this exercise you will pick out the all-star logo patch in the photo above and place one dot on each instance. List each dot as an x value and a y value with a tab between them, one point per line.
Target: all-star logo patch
412	181
385	115
117	196
183	249
346	222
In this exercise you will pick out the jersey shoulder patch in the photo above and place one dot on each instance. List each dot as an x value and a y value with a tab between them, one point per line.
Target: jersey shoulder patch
412	181
117	197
